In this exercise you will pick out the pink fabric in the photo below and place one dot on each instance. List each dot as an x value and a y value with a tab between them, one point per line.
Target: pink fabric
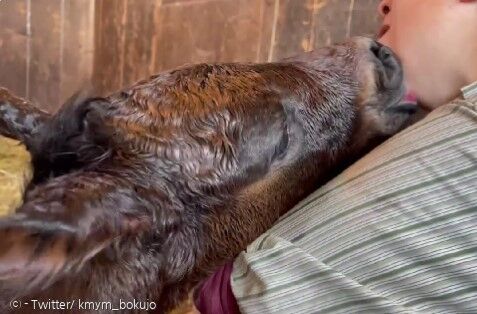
215	294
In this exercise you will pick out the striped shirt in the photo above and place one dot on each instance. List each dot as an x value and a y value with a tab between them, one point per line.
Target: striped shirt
394	233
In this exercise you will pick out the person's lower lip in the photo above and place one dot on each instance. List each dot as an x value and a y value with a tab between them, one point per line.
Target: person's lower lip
383	31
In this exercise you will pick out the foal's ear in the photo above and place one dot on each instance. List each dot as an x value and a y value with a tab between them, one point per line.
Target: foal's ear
78	118
19	119
32	255
75	136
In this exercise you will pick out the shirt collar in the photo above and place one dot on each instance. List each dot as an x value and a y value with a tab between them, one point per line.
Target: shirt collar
470	92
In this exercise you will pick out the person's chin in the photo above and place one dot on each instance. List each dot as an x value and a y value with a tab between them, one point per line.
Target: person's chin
431	103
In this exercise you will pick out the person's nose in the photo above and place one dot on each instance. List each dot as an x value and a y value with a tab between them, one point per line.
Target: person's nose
384	7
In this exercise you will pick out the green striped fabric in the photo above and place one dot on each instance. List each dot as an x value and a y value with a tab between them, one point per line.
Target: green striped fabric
470	92
394	233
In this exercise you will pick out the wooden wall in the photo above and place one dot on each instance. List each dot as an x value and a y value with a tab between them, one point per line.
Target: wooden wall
51	48
135	38
46	48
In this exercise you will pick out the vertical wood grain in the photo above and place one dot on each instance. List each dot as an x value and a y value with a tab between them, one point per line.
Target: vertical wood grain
60	46
292	29
365	18
13	46
269	11
45	64
77	47
109	45
140	39
207	31
331	20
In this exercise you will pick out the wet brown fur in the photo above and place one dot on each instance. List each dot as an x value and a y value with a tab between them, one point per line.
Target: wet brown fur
144	193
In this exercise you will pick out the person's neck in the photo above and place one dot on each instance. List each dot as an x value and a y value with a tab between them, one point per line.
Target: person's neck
473	78
472	70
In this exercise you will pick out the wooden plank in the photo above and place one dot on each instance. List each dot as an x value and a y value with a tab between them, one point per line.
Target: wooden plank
109	45
308	24
207	31
45	65
331	21
134	39
77	47
140	34
166	2
241	29
13	46
365	19
269	15
292	32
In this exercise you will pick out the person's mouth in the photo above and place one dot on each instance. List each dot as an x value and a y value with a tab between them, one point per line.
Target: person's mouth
383	31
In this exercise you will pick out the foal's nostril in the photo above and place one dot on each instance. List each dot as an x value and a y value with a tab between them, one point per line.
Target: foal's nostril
376	48
384	54
387	64
381	52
